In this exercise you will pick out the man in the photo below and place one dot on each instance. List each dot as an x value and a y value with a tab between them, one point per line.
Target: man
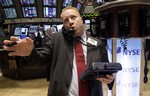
59	54
48	34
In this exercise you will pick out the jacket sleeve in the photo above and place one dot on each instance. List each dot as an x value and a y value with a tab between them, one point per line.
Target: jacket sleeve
103	52
40	56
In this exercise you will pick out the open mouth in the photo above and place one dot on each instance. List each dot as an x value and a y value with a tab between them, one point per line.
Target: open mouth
72	28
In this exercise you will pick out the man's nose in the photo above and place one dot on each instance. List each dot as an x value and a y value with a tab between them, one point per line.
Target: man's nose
71	21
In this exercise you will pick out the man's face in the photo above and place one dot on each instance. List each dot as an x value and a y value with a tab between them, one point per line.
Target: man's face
72	19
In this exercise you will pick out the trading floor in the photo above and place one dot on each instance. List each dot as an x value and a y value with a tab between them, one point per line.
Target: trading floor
38	87
119	19
35	87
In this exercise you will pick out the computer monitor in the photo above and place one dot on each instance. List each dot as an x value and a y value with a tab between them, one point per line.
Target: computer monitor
6	2
20	32
49	2
45	27
99	1
27	2
78	6
59	27
33	28
87	24
67	3
87	21
29	11
49	12
24	31
10	13
17	31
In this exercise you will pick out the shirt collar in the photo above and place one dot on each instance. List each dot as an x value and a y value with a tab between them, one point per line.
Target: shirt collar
83	36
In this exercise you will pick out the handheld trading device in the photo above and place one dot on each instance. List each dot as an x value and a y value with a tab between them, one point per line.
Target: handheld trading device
100	69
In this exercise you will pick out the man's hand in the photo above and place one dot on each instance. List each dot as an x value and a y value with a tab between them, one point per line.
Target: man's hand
23	47
108	79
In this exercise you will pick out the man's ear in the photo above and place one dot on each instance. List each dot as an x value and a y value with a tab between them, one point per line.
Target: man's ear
82	19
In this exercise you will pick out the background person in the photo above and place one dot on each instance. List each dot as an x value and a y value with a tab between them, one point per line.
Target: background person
47	36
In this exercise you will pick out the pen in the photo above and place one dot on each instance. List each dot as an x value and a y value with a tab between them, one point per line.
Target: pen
11	44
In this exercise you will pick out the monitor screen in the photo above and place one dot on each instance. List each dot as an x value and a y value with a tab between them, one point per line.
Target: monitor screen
45	27
6	2
17	31
29	11
87	21
20	32
33	28
99	1
49	12
59	27
49	2
87	24
67	3
24	31
10	13
27	2
78	6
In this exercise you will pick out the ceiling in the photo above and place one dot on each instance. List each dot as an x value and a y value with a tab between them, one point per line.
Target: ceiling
23	12
12	11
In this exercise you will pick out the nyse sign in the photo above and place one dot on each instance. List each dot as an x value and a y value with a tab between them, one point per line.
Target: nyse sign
128	79
128	84
131	69
132	52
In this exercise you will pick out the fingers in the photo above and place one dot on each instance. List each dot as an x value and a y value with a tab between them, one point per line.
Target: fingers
111	76
108	79
29	40
9	48
12	54
104	80
12	38
7	42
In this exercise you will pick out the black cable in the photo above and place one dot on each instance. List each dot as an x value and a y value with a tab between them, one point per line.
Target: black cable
145	79
123	44
88	45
